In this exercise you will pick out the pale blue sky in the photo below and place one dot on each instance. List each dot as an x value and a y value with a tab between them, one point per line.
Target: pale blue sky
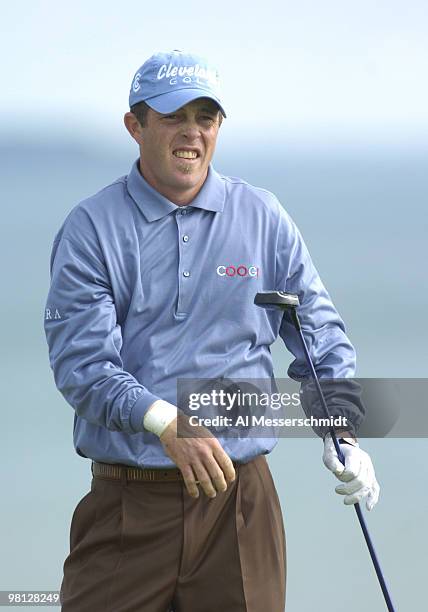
333	66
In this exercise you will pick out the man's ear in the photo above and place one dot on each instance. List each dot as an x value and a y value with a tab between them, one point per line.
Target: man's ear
133	126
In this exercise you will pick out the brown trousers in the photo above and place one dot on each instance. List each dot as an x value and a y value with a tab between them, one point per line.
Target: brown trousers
150	547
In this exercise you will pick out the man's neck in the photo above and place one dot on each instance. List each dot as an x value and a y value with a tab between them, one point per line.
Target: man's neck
179	198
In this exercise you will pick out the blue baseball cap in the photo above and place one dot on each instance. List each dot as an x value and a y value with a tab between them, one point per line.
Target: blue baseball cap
168	81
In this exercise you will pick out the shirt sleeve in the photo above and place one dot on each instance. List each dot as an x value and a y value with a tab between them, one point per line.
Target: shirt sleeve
331	351
84	337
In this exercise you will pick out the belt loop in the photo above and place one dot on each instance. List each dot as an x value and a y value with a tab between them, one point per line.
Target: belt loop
123	478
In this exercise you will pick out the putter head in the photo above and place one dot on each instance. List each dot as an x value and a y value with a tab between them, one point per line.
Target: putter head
276	299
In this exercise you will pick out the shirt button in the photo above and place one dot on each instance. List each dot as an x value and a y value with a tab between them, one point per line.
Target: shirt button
186	273
186	238
184	212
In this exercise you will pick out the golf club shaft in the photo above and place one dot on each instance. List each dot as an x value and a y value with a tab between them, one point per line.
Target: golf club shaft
367	537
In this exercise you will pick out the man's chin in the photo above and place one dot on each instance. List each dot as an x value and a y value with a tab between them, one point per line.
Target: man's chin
189	179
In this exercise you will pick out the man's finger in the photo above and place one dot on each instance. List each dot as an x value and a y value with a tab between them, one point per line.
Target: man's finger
204	479
332	463
190	481
225	463
353	466
355	484
373	497
356	497
216	474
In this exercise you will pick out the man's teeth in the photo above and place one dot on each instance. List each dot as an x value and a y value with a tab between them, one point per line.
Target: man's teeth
186	154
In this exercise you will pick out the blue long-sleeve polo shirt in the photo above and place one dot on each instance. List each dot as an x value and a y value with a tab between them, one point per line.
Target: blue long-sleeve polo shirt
144	292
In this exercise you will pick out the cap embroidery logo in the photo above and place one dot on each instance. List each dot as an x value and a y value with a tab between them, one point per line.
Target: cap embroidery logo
136	83
187	74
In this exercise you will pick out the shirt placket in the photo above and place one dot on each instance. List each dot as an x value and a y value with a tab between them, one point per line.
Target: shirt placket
185	280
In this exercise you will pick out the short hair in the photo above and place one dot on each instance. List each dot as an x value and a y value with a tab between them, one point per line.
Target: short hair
140	110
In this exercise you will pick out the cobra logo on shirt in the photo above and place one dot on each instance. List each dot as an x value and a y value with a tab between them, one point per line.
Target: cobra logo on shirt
51	314
241	270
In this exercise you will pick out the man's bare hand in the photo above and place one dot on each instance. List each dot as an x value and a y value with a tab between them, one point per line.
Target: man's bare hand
200	459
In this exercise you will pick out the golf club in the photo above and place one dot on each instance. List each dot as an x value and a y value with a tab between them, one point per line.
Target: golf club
288	301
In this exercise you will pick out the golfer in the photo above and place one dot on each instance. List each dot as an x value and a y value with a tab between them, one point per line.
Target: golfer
153	279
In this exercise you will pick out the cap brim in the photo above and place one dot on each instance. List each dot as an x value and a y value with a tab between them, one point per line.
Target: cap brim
172	101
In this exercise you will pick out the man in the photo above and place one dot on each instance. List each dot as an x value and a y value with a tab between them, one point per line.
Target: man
152	280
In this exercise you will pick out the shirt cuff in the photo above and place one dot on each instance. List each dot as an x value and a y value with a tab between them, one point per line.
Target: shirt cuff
139	410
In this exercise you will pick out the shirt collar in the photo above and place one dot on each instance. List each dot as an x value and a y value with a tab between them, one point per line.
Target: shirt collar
154	205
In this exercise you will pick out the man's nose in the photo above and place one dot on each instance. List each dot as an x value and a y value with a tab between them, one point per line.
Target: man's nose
191	130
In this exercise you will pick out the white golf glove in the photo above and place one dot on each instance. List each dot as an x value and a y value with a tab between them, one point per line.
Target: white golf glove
358	472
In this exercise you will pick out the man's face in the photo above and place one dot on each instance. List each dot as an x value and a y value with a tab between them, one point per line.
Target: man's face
176	149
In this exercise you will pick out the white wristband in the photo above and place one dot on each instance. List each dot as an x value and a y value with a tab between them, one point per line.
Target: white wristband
159	416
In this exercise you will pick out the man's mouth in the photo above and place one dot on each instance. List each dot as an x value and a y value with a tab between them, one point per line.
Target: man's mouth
186	154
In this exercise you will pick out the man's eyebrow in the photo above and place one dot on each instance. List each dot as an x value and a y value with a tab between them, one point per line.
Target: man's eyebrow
209	109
